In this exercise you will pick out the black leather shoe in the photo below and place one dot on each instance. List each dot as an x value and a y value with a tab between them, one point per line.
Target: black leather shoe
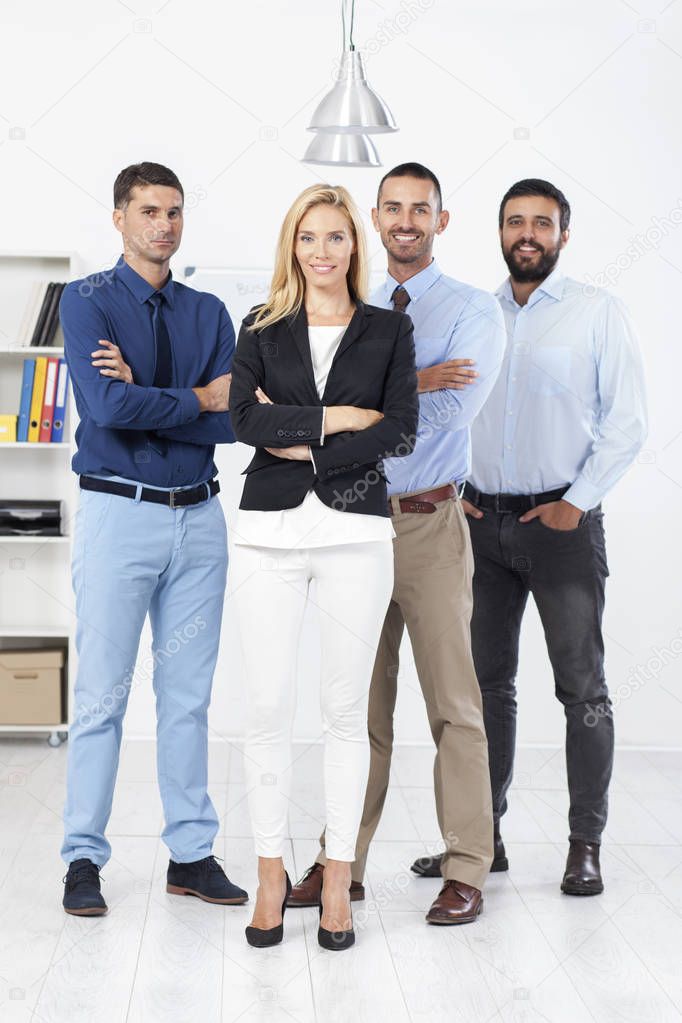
82	894
500	861
335	941
263	937
430	866
427	866
583	875
206	879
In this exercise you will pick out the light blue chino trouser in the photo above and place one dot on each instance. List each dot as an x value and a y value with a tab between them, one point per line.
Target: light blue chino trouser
131	558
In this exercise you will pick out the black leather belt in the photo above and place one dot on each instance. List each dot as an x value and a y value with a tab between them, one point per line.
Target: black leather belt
510	502
171	498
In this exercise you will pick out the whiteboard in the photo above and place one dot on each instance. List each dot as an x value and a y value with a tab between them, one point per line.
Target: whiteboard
240	290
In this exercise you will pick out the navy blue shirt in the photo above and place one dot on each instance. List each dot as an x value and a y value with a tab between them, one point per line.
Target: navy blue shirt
118	421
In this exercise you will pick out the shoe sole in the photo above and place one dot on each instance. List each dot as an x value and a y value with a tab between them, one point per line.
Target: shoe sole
581	890
93	911
462	920
174	889
295	904
498	866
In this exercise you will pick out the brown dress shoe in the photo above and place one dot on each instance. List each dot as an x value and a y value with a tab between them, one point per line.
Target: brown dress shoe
582	876
457	903
308	890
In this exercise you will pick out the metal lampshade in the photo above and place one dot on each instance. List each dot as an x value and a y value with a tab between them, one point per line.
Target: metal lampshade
351	106
342	150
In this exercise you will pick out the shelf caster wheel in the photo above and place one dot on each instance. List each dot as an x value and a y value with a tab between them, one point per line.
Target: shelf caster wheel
63	736
54	739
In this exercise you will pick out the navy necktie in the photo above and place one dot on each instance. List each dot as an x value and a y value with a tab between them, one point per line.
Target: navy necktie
163	371
163	374
400	299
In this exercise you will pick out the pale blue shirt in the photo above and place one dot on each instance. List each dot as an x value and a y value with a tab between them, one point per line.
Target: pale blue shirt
569	404
451	321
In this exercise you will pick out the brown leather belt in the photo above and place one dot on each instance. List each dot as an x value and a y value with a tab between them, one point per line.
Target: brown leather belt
426	502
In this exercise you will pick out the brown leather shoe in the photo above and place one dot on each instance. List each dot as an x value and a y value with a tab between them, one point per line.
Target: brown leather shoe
457	903
308	890
583	875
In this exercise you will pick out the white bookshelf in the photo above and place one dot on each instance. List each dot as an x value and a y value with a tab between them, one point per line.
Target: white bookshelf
36	600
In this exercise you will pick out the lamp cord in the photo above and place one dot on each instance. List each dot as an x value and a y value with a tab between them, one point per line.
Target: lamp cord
351	20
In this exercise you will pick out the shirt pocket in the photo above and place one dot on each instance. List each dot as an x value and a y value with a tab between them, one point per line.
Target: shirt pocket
550	369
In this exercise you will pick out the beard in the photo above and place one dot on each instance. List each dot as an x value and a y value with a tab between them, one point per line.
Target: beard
412	254
524	273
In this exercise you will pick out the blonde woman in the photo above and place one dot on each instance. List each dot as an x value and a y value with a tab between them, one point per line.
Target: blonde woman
324	387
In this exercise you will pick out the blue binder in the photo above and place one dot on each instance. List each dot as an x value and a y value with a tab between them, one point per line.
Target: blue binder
60	402
25	403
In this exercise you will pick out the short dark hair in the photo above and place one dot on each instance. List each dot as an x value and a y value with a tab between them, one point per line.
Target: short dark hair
143	174
412	170
536	186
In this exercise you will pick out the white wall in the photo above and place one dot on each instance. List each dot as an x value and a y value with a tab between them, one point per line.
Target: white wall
582	93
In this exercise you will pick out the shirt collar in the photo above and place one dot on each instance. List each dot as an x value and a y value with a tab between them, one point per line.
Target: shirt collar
416	286
553	286
142	290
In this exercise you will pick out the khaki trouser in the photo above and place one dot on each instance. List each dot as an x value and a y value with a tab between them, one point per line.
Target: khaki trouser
432	596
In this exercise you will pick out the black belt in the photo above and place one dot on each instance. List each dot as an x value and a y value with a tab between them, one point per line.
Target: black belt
510	502
171	498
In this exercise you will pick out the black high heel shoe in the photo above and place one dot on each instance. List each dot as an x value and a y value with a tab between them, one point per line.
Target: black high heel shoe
263	937
335	941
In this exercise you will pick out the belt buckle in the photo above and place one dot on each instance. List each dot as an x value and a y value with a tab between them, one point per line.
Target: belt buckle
497	503
173	505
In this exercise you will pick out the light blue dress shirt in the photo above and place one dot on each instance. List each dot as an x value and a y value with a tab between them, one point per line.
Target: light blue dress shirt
569	404
451	321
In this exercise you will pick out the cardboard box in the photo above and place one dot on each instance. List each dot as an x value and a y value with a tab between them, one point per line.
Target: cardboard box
31	687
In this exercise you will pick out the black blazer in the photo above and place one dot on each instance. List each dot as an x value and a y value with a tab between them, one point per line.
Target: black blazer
373	367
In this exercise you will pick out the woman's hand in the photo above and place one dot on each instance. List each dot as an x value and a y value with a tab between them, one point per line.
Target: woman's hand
112	361
297	453
340	418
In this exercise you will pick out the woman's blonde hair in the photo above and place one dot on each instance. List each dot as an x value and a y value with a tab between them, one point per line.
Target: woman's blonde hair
287	288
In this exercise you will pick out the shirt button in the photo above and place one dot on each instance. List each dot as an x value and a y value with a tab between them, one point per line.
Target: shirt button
513	379
509	446
510	413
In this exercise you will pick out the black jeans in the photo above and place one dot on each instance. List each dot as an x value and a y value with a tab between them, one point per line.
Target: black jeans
566	571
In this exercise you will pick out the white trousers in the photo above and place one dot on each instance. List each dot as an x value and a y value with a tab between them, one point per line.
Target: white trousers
269	588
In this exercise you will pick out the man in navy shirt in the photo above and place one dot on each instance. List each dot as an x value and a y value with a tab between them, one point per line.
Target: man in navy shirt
149	361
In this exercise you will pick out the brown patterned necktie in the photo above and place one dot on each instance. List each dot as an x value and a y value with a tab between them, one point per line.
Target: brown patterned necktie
400	299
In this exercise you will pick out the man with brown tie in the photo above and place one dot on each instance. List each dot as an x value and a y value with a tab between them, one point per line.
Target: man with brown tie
432	596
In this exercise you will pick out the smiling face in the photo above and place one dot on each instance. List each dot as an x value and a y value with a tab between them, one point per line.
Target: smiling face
324	246
531	237
408	218
151	223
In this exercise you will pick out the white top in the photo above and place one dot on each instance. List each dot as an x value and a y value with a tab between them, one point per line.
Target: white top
311	523
569	403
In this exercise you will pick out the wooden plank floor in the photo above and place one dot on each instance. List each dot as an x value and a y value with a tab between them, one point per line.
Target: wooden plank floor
534	955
